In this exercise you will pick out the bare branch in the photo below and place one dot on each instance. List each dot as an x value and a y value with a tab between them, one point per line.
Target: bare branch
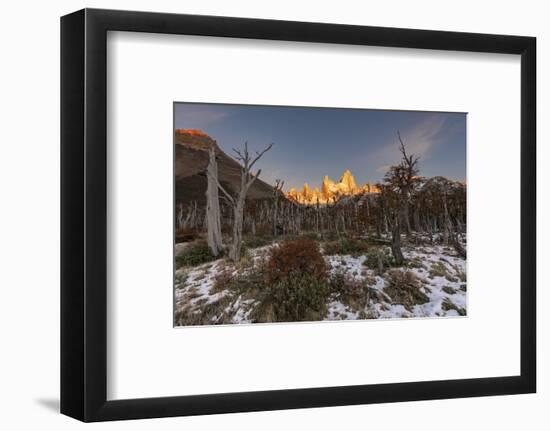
225	192
239	154
410	160
260	154
402	147
224	198
279	184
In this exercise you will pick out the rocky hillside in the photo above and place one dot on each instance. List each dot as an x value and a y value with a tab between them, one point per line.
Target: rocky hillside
191	160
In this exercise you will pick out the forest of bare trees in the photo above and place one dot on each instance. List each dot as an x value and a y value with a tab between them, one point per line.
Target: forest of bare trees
407	206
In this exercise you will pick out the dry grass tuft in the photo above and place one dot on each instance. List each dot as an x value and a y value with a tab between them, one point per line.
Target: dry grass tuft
438	269
354	292
345	246
448	305
297	297
206	313
403	287
195	255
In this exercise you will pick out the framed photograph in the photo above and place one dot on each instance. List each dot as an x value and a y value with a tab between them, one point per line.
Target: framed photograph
262	215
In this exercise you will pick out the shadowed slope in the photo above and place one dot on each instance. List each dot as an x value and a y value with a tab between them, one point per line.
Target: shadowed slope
191	160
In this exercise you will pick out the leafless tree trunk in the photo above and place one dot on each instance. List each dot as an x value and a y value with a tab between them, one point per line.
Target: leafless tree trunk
317	215
445	218
247	179
416	217
396	242
190	220
213	225
405	212
343	219
409	164
180	216
279	184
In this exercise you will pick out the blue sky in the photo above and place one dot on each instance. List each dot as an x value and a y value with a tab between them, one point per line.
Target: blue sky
309	143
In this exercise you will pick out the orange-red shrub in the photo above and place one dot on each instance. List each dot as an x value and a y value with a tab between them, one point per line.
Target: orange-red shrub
300	256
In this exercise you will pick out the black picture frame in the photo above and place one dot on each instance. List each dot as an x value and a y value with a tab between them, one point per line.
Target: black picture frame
84	214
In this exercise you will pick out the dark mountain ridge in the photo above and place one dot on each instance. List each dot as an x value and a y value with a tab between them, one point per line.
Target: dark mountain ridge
191	161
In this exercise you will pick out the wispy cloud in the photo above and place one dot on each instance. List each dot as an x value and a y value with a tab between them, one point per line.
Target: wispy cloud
419	140
422	138
382	169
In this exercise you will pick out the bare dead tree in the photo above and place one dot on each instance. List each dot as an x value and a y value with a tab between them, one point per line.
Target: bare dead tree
399	182
277	191
409	164
446	221
179	217
237	202
191	218
317	216
389	200
213	224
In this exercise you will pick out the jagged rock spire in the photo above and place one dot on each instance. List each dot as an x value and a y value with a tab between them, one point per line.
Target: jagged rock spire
330	190
348	180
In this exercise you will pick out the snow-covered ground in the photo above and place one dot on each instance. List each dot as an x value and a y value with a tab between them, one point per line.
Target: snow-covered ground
447	296
194	287
441	277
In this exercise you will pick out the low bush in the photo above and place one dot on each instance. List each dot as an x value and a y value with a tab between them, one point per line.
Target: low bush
416	262
447	305
461	275
403	287
311	235
257	241
327	236
438	269
449	290
379	259
180	279
353	292
247	283
344	246
296	297
186	234
290	285
300	256
206	313
196	254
